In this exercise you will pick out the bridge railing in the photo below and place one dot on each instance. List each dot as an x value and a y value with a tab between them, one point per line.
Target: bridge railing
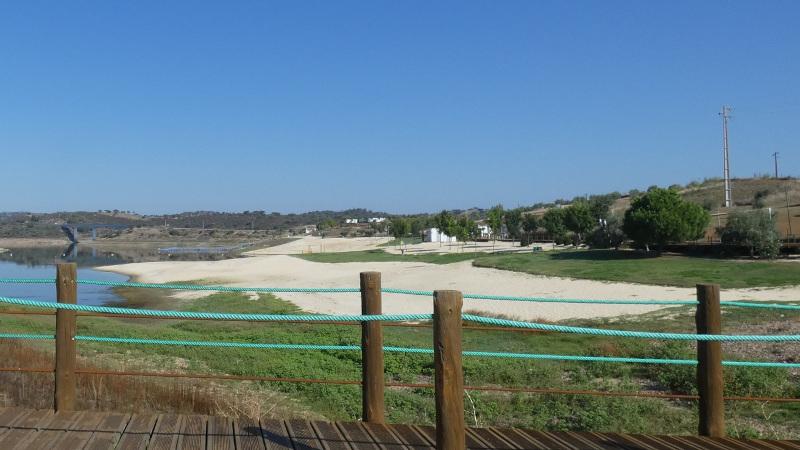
447	322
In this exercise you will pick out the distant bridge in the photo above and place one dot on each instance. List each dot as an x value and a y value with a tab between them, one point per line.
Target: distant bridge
71	230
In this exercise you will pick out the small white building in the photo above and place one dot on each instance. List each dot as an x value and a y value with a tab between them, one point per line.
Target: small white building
485	231
350	221
433	235
376	219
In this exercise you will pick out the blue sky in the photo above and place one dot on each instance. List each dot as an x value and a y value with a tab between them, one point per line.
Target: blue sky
396	106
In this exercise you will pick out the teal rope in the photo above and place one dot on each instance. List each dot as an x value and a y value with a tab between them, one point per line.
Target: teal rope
391	349
630	334
428	351
26	336
193	287
219	316
402	318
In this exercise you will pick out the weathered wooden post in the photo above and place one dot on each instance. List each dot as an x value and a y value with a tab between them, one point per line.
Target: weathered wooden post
371	350
448	378
66	292
710	384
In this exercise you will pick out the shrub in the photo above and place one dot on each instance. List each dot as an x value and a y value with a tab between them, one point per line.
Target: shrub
754	230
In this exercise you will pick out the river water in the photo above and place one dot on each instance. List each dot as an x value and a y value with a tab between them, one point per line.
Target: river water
39	262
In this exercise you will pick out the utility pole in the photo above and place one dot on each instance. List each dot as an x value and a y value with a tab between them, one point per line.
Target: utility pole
726	169
775	155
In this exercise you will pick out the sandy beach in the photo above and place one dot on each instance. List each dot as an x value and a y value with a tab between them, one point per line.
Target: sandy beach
282	270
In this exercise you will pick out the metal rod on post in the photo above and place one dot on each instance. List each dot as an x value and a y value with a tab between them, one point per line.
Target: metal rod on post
448	377
66	292
710	384
372	403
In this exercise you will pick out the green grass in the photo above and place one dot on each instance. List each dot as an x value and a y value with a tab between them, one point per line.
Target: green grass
550	412
635	267
382	256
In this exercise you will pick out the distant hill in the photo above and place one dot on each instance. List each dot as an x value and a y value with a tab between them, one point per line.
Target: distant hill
748	193
24	224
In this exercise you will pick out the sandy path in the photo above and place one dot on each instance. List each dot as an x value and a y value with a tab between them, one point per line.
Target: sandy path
288	271
314	244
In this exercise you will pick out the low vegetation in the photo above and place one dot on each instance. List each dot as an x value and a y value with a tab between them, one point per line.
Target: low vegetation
639	267
414	405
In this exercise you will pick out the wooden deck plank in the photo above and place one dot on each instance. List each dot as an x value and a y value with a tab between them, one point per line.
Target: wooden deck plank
492	440
34	429
10	415
788	445
220	434
546	440
412	437
357	436
16	438
586	441
34	419
383	436
193	433
137	434
249	434
276	435
521	441
108	430
329	436
80	431
165	435
303	436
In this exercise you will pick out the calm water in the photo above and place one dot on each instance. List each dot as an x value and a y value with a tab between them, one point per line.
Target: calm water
39	262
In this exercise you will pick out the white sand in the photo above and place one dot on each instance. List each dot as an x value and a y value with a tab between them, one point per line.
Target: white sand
315	244
289	271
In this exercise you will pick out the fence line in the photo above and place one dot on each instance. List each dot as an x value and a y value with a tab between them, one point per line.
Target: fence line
447	325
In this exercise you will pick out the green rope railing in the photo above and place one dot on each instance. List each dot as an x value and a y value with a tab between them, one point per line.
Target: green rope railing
402	318
629	334
219	316
194	287
394	349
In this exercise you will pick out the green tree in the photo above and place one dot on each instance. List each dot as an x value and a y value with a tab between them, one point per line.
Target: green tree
661	216
494	218
608	234
513	221
754	230
530	224
464	230
553	222
400	228
578	219
443	223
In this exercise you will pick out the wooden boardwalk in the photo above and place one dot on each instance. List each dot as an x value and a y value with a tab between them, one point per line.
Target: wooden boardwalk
41	429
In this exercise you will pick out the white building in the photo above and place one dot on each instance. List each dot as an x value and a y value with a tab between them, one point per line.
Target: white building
433	235
485	231
350	220
376	219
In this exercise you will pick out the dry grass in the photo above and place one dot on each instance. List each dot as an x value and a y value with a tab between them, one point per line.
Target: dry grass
134	394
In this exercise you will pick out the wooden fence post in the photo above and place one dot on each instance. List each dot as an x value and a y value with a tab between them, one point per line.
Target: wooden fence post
449	378
710	384
66	292
372	377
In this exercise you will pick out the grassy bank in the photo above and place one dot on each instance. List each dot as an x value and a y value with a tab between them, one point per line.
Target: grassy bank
382	256
605	265
636	267
407	405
